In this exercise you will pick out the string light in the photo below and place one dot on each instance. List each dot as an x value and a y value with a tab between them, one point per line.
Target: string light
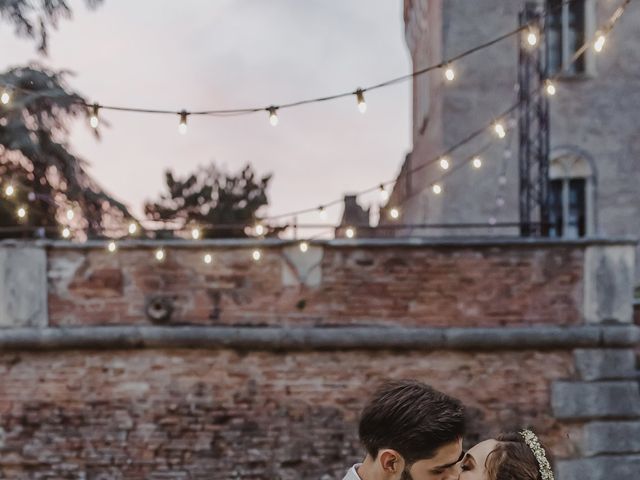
208	258
550	88
182	126
94	121
259	229
66	233
444	163
437	189
492	220
532	37
70	214
500	202
112	246
256	255
304	247
499	129
598	45
195	233
9	190
449	73
5	98
22	212
394	213
133	228
477	162
159	254
273	115
362	105
350	232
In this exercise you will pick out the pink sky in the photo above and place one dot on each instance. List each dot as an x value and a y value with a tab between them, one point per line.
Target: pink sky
197	54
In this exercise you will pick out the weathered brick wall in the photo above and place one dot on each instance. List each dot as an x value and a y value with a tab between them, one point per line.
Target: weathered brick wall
153	404
491	285
197	414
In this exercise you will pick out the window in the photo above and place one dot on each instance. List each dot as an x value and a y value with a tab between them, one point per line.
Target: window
571	192
567	31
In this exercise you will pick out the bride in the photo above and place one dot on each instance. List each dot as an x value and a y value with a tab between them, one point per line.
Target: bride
510	456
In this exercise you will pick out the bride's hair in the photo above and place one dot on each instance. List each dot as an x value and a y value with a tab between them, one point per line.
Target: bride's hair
512	459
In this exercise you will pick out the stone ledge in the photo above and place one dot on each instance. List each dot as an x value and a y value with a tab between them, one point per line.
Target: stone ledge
317	338
593	400
600	468
429	242
611	437
605	364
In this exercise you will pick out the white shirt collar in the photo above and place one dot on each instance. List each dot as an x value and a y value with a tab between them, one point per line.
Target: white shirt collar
352	474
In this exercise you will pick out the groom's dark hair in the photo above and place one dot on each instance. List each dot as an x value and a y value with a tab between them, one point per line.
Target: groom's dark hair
411	418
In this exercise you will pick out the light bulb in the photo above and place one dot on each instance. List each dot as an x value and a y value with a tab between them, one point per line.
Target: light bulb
394	213
492	220
273	115
94	121
384	194
550	88
444	163
159	254
112	247
304	246
66	233
9	191
70	214
500	202
437	189
532	37
477	162
22	212
350	232
5	97
598	45
182	126
208	258
499	129
256	255
362	105
133	228
259	230
449	74
195	233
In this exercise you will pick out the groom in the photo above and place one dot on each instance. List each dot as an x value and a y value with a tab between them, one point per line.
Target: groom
411	432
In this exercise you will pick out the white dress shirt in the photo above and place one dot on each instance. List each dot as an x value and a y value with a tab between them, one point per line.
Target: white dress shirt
352	474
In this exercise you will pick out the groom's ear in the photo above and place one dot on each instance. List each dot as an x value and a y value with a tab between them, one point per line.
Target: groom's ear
390	461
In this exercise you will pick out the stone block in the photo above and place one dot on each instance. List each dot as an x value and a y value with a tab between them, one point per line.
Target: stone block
608	283
616	437
599	468
23	286
592	400
605	364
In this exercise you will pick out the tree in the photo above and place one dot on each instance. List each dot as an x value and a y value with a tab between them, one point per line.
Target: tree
209	198
33	18
36	163
35	159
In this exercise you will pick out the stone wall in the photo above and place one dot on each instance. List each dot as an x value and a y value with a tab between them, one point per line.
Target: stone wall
271	385
592	117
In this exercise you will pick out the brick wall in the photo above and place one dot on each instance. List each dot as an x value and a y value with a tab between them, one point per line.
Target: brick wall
426	286
196	414
148	403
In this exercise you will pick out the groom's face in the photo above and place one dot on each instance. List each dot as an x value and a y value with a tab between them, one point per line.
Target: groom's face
443	466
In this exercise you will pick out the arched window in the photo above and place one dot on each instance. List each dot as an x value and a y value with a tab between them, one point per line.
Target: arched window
571	196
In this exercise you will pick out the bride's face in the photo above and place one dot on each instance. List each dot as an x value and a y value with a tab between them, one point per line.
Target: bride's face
472	466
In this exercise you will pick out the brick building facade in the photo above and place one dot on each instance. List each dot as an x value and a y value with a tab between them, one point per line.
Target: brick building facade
116	366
